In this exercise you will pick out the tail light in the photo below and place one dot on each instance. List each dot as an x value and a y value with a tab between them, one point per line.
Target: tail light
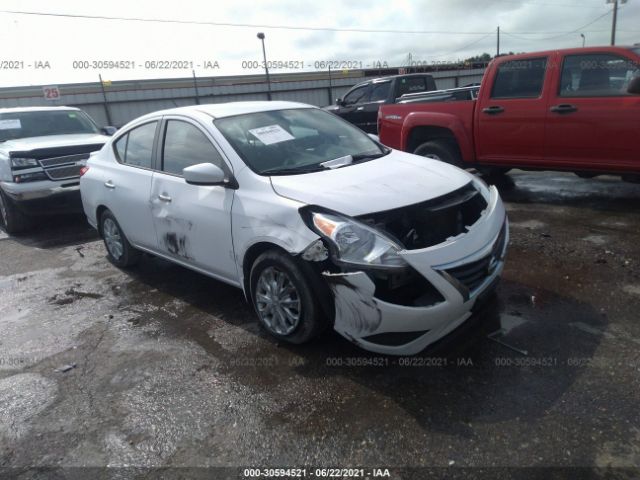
84	170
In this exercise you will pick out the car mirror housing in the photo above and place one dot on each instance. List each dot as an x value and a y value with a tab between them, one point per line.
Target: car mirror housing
339	102
204	174
634	86
109	130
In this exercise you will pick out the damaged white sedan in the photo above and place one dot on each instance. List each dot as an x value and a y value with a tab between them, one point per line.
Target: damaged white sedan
318	223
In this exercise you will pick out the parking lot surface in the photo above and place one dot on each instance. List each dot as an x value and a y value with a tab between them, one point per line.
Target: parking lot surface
160	366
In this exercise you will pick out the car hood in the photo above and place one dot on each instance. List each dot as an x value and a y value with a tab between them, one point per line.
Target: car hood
395	180
53	141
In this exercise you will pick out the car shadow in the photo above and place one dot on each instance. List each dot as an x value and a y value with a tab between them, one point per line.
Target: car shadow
55	232
535	354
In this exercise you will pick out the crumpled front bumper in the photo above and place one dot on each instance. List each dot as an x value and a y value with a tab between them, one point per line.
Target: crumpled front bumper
359	315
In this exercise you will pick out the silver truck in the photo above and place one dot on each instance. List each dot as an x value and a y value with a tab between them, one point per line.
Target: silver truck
42	150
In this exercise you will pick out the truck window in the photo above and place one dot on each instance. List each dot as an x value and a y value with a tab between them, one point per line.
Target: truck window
357	95
412	85
596	75
380	91
520	78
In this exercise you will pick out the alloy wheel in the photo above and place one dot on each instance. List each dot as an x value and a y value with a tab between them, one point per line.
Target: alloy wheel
112	238
277	301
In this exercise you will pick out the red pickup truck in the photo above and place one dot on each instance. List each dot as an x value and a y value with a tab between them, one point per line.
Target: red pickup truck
574	109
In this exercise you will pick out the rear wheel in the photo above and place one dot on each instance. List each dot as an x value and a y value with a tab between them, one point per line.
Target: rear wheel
440	150
283	300
120	252
11	219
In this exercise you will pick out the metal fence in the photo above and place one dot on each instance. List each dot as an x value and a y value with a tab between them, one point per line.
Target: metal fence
116	103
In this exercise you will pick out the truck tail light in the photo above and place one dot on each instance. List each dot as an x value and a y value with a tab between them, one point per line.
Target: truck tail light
83	170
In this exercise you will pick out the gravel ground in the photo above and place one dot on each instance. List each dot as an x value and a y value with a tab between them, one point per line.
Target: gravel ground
162	367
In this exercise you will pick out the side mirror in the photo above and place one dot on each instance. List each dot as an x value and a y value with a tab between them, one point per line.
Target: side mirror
340	102
108	130
204	174
634	86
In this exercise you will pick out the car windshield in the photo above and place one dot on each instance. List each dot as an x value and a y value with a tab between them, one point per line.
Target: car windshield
292	141
15	125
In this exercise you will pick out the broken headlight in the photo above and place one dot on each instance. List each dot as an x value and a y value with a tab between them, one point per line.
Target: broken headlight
356	243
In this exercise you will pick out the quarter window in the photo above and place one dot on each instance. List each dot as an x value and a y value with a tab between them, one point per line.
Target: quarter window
136	147
596	75
186	145
520	78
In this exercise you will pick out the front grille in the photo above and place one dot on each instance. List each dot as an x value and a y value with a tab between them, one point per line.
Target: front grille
472	274
432	222
63	173
56	161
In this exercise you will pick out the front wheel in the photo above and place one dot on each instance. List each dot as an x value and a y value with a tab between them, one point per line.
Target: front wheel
11	219
440	150
283	299
120	252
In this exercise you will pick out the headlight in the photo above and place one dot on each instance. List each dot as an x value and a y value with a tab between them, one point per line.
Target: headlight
357	243
24	162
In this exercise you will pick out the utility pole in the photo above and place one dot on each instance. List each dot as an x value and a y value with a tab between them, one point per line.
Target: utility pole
615	18
266	68
498	41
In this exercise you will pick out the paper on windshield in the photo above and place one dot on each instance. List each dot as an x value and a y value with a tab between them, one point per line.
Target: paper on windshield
10	124
271	134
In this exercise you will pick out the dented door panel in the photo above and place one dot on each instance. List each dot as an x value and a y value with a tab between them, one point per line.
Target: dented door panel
193	223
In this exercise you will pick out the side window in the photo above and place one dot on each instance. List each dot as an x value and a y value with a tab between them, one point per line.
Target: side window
411	85
136	147
358	95
596	75
380	91
520	78
186	145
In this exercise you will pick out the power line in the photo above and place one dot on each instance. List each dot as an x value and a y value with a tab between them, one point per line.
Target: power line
228	24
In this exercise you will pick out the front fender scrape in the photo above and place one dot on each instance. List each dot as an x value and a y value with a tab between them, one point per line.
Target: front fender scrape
357	312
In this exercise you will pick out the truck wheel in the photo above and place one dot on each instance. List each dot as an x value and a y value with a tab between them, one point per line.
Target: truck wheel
440	150
11	219
120	252
283	298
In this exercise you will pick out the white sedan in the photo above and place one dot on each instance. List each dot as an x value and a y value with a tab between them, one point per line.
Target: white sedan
318	223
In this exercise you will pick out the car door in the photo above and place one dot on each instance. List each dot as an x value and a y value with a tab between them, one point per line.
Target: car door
592	121
352	109
368	110
192	222
127	183
510	114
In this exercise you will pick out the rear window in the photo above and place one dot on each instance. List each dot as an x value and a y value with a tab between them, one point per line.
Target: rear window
412	85
520	78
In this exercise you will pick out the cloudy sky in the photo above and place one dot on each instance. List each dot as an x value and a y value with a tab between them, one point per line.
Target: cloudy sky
361	31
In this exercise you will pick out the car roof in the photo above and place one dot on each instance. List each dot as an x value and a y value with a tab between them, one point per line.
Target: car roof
34	109
220	110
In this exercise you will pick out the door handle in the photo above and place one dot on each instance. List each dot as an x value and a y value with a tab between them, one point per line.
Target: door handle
564	108
109	184
359	108
493	110
164	198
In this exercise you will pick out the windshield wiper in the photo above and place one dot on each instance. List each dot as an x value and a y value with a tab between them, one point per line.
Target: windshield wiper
292	170
370	156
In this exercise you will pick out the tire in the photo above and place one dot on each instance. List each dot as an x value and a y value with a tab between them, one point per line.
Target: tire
494	172
280	321
440	150
119	251
12	220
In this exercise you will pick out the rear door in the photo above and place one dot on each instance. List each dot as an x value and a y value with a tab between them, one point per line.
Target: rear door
592	122
192	222
511	112
127	183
